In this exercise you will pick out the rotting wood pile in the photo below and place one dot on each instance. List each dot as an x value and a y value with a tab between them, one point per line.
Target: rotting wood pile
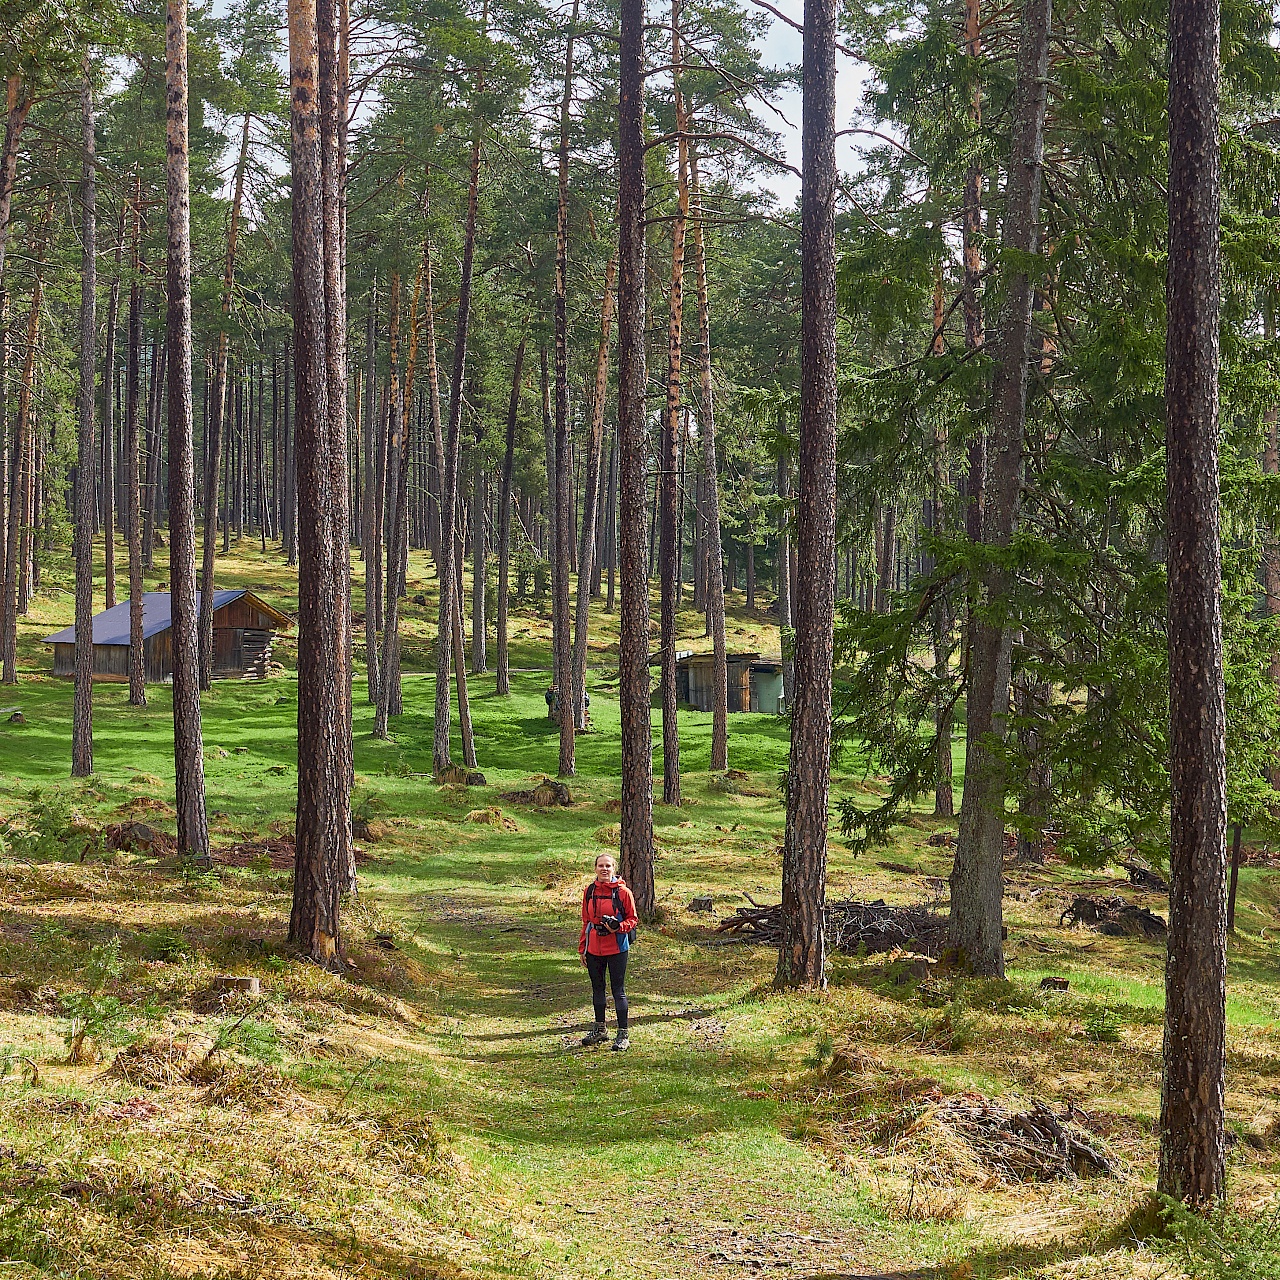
1036	1145
853	927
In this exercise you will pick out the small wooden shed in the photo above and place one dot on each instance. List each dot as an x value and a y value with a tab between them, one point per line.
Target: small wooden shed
755	683
243	630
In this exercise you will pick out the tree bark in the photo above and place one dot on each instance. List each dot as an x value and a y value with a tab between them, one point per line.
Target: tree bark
977	892
109	425
332	28
944	805
188	748
20	481
1192	1104
586	560
971	259
217	411
503	679
1237	833
636	840
479	558
563	659
801	957
82	705
317	885
369	505
710	469
1271	553
450	591
389	675
668	564
784	573
133	461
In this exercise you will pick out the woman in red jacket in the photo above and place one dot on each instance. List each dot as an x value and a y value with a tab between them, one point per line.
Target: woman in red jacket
608	927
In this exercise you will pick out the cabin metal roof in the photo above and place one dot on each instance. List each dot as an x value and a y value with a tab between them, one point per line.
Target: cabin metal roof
112	625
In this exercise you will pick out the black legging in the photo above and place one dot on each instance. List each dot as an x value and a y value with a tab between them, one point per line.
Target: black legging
617	970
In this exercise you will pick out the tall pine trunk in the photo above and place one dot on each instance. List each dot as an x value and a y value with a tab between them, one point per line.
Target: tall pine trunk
668	561
1192	1102
82	706
586	560
977	876
333	22
389	673
563	514
801	956
20	478
369	505
714	585
503	679
217	417
450	579
317	883
636	841
133	460
944	805
188	749
971	260
109	425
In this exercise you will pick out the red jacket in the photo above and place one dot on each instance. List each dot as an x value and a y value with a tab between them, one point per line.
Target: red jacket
597	902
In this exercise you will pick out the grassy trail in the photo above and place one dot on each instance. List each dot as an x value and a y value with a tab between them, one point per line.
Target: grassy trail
430	1114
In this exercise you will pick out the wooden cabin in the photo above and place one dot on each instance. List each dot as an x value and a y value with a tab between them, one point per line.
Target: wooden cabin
755	683
243	630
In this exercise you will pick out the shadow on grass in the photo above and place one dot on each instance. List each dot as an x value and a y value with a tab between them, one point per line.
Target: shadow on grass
637	1020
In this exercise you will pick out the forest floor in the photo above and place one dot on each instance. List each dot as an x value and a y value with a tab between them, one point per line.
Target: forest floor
430	1114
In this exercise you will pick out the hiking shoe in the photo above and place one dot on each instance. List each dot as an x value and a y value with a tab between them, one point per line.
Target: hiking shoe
597	1035
622	1043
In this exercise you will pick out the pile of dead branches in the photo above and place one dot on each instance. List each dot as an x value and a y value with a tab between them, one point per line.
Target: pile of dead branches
853	927
1114	917
1025	1146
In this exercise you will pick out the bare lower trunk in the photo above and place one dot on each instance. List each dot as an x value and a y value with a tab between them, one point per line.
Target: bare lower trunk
1192	1103
801	956
503	681
369	506
188	749
636	841
20	472
317	884
450	590
109	426
389	667
1271	559
942	620
564	492
710	469
332	26
479	561
668	563
82	714
586	561
137	657
460	666
217	417
977	892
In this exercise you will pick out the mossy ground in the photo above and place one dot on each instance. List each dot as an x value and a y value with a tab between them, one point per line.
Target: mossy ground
429	1113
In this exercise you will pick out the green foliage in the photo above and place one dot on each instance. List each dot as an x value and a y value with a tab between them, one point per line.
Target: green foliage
252	1037
53	828
1102	1026
1223	1245
91	1010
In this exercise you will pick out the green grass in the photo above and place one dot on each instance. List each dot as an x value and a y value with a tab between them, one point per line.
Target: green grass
429	1114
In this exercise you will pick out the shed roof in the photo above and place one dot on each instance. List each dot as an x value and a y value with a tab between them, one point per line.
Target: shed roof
112	625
